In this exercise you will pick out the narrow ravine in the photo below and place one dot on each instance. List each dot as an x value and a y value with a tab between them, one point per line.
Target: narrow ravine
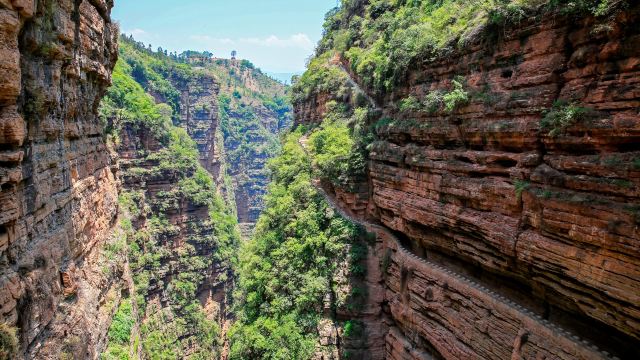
442	180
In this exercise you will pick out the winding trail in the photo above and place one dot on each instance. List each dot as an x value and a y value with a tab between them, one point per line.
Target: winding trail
451	274
357	86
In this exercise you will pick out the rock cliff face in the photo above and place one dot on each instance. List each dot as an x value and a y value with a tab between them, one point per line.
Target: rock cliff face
178	232
514	213
176	259
254	110
199	116
59	188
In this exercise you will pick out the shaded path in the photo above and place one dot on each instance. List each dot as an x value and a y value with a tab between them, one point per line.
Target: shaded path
351	82
340	63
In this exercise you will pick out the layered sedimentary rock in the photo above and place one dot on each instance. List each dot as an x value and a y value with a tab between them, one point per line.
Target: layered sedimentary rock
543	215
177	266
178	232
254	112
199	116
58	201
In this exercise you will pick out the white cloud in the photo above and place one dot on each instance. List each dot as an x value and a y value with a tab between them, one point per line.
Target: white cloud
136	32
301	41
211	40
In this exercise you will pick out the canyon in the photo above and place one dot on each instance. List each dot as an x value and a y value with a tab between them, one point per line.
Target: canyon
478	202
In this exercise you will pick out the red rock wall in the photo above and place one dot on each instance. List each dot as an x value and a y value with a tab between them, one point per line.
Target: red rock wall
447	316
449	183
58	197
549	223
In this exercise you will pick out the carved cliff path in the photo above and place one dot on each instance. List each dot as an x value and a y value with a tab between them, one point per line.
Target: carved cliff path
528	321
372	101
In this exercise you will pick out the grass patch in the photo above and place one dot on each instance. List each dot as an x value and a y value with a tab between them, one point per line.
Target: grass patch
8	342
520	187
562	116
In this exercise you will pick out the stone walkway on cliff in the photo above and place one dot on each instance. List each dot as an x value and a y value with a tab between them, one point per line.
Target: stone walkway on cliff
451	274
341	65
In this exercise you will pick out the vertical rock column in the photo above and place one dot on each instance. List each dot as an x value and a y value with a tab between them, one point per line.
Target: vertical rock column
58	198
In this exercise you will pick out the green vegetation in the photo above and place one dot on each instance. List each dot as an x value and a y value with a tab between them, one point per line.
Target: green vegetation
245	137
321	77
521	186
455	97
120	331
382	39
339	145
253	109
150	71
289	266
410	103
156	247
8	342
130	201
561	116
437	100
128	103
353	329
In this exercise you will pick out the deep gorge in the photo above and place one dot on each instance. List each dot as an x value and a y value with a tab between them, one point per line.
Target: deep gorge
445	181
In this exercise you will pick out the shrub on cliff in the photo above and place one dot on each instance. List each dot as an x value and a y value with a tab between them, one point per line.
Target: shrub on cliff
8	342
384	39
199	188
456	97
181	154
321	77
562	116
119	335
339	145
410	103
332	145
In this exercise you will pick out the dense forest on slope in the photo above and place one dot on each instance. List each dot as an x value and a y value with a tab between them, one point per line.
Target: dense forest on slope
300	268
253	110
461	181
250	111
383	40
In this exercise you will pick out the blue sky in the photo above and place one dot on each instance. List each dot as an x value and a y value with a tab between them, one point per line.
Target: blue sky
277	35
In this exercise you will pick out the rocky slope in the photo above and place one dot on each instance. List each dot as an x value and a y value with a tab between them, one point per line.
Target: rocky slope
254	110
235	113
59	182
178	231
169	118
510	161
